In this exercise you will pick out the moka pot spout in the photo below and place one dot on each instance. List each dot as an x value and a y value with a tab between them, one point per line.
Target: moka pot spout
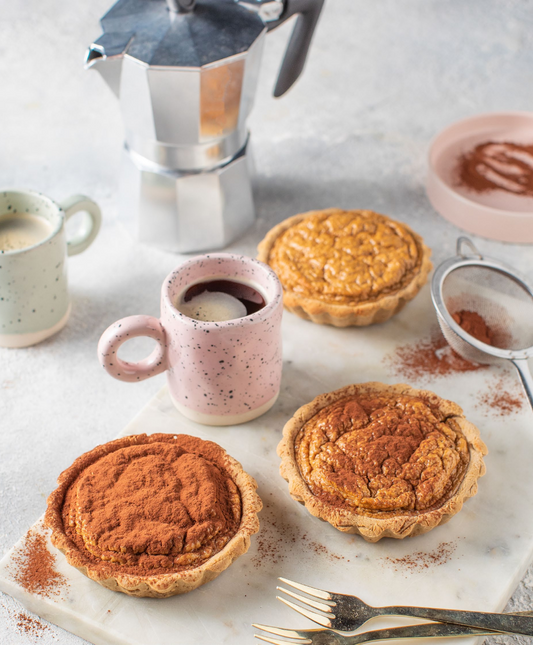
106	56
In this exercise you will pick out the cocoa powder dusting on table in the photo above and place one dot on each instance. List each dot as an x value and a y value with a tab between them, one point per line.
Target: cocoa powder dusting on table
30	626
421	560
277	539
34	567
502	398
434	357
428	357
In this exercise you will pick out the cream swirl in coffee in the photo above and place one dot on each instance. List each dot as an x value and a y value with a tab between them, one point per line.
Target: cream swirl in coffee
219	300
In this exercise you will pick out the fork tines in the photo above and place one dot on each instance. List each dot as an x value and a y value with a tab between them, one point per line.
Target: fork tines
278	631
324	607
311	591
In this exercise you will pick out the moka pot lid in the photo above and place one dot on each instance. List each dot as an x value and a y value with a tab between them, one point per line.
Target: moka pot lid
152	33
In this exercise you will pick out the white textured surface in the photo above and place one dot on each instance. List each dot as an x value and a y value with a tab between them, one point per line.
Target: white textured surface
383	77
482	568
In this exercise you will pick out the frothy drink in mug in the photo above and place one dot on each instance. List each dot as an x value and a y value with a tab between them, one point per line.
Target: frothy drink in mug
219	300
34	300
21	230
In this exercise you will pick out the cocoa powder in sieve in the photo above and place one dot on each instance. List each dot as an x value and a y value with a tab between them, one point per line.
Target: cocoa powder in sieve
474	325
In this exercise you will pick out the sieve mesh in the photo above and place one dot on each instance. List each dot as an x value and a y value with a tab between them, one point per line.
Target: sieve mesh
504	299
499	298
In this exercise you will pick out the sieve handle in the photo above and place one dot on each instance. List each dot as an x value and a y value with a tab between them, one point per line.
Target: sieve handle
466	241
522	366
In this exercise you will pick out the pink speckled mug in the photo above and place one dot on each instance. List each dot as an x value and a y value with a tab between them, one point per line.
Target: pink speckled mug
219	373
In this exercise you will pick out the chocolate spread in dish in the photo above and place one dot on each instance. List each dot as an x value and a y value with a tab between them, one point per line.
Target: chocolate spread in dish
497	166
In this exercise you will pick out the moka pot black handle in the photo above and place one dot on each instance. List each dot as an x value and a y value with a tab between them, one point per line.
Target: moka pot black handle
308	12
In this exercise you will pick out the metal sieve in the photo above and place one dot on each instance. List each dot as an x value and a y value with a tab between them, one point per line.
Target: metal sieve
500	295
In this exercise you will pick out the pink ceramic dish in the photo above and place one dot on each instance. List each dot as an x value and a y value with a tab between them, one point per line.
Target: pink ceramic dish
496	214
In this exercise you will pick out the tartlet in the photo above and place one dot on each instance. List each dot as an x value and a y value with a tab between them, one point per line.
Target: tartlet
346	268
153	515
381	460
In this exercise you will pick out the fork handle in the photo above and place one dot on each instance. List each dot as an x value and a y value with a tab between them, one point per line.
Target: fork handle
429	630
507	623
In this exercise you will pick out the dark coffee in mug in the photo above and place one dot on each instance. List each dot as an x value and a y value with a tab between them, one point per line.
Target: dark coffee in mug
219	373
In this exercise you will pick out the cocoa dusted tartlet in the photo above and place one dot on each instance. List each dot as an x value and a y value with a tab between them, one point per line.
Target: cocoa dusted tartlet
153	515
381	460
346	267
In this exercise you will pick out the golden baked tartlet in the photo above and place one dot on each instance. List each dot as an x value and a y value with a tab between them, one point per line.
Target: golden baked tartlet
153	515
346	268
381	460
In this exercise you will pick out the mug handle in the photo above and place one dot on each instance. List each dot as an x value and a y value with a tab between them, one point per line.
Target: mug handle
91	222
121	331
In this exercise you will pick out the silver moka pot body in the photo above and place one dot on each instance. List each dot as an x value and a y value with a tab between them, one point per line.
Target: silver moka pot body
185	74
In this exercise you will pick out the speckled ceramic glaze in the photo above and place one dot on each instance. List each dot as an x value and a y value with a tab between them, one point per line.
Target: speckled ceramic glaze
34	302
219	373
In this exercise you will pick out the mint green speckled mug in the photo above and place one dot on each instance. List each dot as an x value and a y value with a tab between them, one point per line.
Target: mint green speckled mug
34	300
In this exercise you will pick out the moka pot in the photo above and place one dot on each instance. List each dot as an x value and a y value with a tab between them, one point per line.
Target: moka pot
185	73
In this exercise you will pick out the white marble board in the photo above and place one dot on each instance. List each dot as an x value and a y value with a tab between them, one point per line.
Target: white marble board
489	544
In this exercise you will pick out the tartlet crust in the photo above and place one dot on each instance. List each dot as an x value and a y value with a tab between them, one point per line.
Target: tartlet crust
154	585
374	526
342	315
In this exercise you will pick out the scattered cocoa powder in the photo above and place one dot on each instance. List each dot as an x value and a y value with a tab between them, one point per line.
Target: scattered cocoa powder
31	626
277	539
34	567
428	357
320	549
496	165
502	398
421	560
434	357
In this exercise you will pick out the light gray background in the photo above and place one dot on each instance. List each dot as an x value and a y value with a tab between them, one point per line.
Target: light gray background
383	77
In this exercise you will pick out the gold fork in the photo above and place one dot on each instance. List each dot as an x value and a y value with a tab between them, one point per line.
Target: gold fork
348	613
328	637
